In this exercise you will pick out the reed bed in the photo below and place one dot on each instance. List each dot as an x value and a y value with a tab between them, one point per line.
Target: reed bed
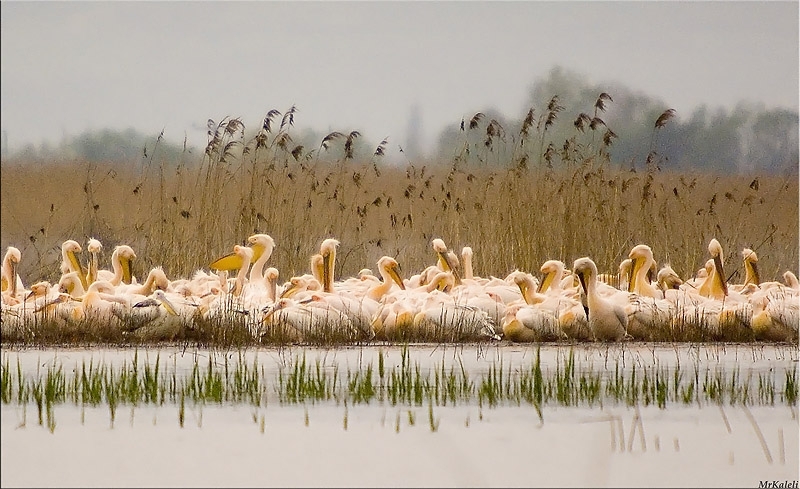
569	382
516	204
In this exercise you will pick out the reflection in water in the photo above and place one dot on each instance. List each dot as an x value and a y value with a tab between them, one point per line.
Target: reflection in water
421	415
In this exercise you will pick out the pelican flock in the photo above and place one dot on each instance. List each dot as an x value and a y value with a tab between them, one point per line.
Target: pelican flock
446	301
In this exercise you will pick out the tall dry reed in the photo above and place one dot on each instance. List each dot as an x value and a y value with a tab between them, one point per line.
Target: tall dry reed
574	202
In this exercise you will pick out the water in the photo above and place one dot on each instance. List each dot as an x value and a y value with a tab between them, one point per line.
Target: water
330	443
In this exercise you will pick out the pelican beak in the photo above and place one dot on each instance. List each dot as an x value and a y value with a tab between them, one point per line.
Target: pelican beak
327	275
754	267
57	300
73	260
91	275
443	263
258	250
637	263
720	275
13	284
547	280
271	310
126	270
394	272
289	291
523	288
582	281
167	305
228	262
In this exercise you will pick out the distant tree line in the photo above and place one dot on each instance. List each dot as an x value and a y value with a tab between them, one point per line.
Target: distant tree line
567	120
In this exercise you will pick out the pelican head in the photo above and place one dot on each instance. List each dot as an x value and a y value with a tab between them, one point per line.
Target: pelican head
271	274
160	280
392	269
526	283
791	280
161	297
328	251
553	271
750	267
586	271
93	246
443	281
124	255
262	244
719	284
640	255
667	278
9	275
439	246
39	289
70	261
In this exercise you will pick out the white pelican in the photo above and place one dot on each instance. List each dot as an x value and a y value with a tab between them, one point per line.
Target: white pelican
776	317
271	275
447	260
622	279
492	304
389	270
466	263
607	320
12	285
41	290
573	321
89	307
528	323
649	318
156	279
71	284
451	321
643	269
559	303
715	286
750	267
260	243
791	280
300	287
162	321
328	251
70	263
553	271
304	321
668	279
715	319
266	245
505	288
361	307
527	285
125	297
394	319
93	246
245	254
121	260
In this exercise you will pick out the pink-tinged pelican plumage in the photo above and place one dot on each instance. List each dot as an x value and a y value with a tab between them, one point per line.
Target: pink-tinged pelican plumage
121	260
607	319
12	285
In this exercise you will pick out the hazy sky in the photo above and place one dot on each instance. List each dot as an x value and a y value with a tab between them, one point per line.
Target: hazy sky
72	66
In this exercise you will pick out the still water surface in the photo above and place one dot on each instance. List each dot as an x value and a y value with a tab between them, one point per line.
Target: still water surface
380	444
